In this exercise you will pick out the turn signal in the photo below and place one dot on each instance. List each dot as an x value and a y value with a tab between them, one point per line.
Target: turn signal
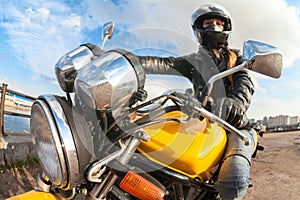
140	187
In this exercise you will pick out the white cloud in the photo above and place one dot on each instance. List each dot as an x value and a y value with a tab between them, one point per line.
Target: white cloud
53	28
44	13
72	21
277	24
41	32
271	21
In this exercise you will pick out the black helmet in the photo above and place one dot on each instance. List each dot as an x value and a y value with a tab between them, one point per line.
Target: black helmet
207	37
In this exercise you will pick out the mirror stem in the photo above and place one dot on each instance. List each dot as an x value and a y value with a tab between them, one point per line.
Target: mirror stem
104	41
225	73
209	85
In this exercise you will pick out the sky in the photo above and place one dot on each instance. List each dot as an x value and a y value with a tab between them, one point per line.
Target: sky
34	34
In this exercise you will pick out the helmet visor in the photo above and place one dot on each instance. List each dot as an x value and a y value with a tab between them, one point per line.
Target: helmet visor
198	25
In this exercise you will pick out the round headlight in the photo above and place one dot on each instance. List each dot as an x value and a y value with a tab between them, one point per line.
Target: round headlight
110	81
54	142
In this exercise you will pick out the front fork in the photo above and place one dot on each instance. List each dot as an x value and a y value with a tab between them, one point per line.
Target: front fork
43	183
100	190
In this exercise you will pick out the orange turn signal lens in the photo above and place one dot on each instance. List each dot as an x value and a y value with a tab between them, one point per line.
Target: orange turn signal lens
140	187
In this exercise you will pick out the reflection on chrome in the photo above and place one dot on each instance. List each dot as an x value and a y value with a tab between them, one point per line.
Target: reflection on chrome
109	82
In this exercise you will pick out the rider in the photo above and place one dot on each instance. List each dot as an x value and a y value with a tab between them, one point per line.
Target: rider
212	26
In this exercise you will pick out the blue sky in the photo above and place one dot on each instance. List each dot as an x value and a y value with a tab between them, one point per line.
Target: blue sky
34	34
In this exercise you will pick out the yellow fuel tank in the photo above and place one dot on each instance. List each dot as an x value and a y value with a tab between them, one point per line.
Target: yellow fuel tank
35	195
192	148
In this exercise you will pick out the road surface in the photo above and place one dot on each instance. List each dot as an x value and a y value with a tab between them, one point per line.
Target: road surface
275	172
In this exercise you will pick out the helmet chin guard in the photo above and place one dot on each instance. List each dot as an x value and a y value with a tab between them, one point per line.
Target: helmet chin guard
212	39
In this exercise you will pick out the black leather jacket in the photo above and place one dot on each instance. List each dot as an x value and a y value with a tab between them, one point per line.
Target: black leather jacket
198	68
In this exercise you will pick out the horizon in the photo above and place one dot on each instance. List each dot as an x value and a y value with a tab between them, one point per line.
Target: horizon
27	99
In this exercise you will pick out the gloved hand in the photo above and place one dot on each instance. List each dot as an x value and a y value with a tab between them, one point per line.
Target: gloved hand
229	110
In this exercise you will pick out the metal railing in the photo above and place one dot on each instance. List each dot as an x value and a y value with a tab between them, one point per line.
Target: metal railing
3	111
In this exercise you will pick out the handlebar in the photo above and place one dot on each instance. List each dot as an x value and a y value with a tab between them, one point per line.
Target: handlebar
196	105
188	101
223	123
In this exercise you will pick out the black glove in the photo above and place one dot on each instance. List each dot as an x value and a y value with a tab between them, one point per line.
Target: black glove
229	110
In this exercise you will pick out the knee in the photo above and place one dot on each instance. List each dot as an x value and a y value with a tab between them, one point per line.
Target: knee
233	179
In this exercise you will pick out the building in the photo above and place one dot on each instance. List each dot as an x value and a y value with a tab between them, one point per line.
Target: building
294	120
281	122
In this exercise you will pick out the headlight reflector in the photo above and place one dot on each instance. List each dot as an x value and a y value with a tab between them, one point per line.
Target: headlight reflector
54	142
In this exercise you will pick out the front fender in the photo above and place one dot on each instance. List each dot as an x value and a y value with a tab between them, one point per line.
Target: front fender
35	195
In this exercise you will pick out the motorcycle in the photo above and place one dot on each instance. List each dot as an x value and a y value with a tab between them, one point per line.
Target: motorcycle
107	140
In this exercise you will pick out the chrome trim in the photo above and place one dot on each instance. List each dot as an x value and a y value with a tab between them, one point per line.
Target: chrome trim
42	184
159	103
223	74
267	59
131	146
57	143
109	81
97	169
68	65
66	138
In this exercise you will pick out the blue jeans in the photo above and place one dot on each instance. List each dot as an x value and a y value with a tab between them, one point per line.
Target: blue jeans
233	179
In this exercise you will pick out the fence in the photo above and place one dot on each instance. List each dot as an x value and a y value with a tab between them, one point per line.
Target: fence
4	92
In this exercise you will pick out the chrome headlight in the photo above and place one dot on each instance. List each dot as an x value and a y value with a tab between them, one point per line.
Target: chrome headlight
56	145
110	81
67	67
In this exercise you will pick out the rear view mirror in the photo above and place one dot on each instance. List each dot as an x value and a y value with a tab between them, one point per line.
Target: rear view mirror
108	29
258	56
264	58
